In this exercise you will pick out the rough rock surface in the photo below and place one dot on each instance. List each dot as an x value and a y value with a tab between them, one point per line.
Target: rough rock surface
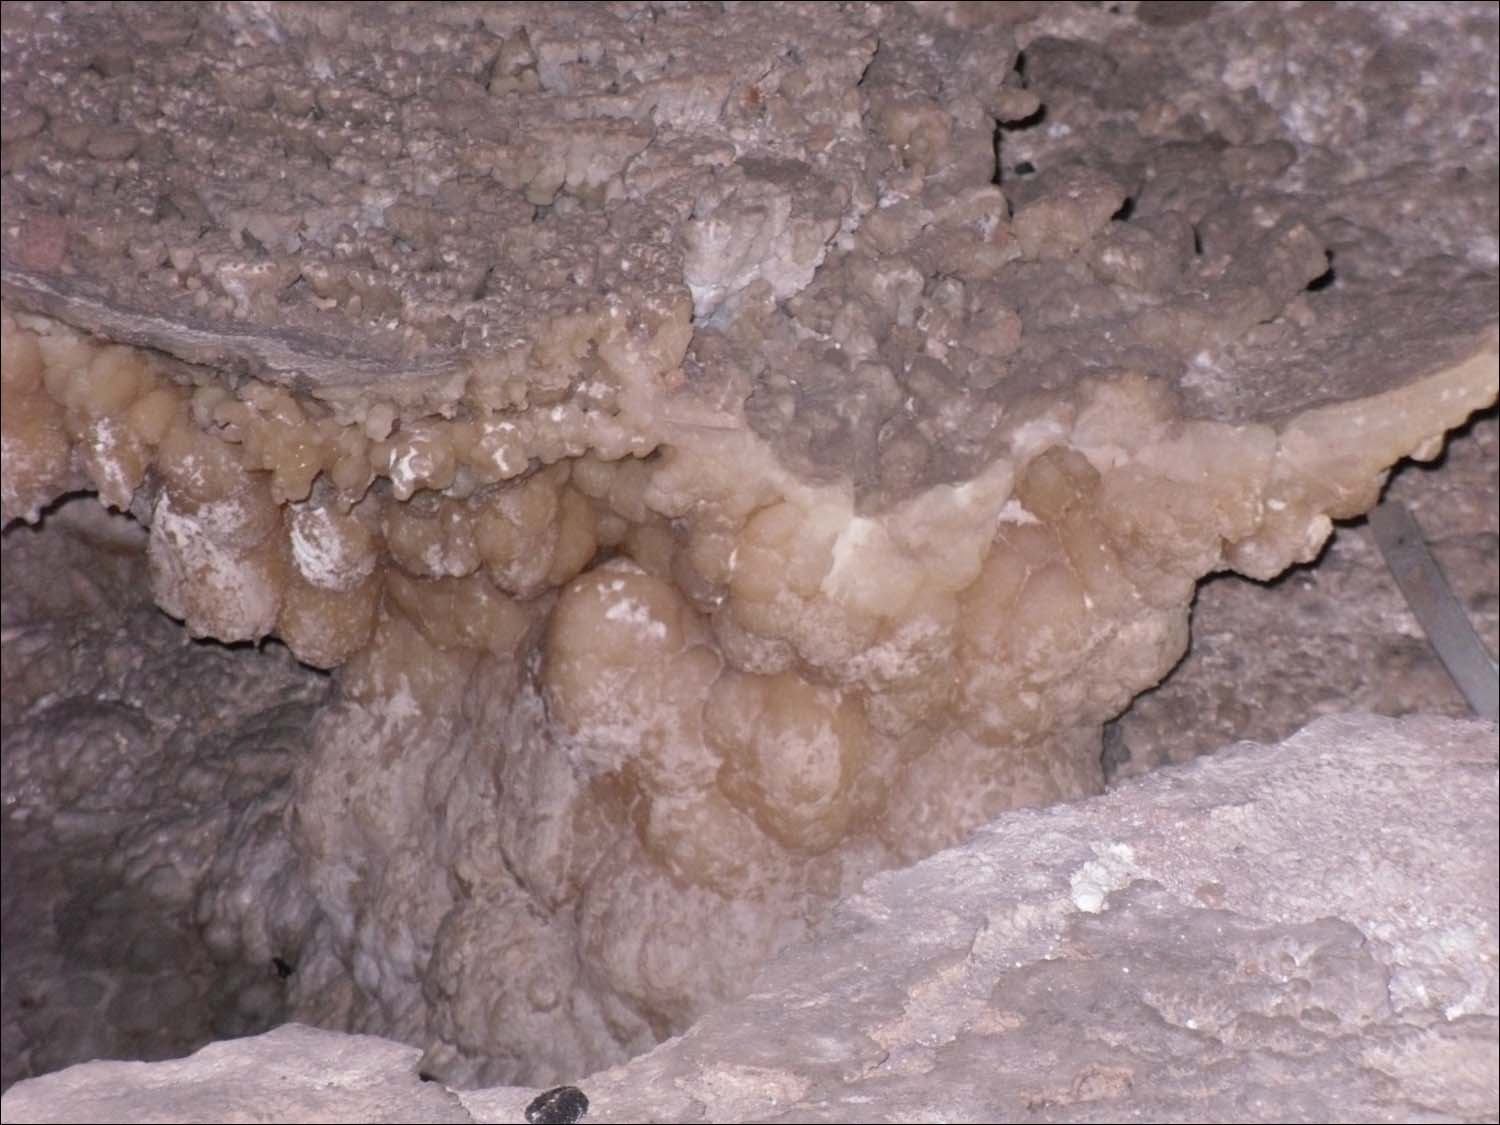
1332	636
146	778
293	1073
721	452
1297	932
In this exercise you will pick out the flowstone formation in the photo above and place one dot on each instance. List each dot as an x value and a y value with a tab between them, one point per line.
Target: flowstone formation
1337	636
720	453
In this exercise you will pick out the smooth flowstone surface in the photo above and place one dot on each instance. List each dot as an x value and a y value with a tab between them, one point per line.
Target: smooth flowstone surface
717	453
1304	931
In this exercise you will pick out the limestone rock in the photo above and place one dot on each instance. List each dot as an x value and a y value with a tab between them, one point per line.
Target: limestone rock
148	884
1333	635
293	1073
718	452
1299	932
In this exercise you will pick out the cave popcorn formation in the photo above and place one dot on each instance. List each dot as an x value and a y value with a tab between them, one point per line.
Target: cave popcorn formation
733	483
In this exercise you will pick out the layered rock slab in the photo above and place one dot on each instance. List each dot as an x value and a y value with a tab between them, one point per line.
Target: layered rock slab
724	453
1303	932
293	1073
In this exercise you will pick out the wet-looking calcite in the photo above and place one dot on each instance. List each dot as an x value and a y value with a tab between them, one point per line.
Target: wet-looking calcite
719	451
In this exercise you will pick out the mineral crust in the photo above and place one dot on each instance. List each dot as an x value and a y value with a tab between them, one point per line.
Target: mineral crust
720	451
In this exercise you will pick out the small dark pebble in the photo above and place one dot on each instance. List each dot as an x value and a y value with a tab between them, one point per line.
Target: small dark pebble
1025	168
561	1105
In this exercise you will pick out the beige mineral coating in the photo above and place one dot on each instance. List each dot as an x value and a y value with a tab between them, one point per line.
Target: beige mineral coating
722	453
1338	635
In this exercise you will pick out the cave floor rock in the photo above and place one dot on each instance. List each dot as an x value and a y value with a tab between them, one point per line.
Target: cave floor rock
1301	932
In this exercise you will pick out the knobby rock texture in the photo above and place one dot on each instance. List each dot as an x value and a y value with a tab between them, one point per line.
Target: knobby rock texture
712	453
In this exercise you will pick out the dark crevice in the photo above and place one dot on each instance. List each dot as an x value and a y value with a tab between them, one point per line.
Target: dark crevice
482	290
864	74
1325	279
1031	120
